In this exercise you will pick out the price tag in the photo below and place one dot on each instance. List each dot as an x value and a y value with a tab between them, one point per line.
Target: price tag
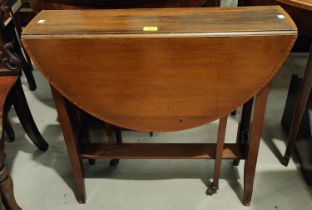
150	28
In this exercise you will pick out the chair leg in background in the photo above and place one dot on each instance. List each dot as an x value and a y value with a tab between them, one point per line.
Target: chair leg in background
26	119
243	128
302	99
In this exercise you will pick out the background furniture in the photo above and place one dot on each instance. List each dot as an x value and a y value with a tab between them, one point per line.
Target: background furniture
256	2
12	33
11	93
38	5
177	72
14	58
7	80
303	42
301	12
12	47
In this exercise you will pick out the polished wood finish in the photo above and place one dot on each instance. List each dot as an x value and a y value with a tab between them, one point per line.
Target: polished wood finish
157	151
160	70
119	35
6	184
300	15
301	12
72	146
173	22
38	5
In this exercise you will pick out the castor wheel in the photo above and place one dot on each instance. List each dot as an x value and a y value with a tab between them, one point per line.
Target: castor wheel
91	161
113	162
211	189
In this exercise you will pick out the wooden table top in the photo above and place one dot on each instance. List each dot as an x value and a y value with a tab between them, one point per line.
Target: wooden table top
190	67
212	21
303	4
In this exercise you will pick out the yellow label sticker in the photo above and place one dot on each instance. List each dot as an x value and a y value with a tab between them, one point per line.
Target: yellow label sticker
150	28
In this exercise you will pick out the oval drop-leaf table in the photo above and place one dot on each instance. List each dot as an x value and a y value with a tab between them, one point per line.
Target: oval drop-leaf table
160	70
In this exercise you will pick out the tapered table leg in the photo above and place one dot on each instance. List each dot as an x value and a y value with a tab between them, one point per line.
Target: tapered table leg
253	146
219	150
303	96
71	141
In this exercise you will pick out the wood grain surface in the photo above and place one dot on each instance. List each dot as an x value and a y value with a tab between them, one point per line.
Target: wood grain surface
173	21
157	151
199	65
6	184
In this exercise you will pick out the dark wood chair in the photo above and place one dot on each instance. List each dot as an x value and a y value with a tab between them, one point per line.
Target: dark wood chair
7	80
11	94
12	58
14	29
11	34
